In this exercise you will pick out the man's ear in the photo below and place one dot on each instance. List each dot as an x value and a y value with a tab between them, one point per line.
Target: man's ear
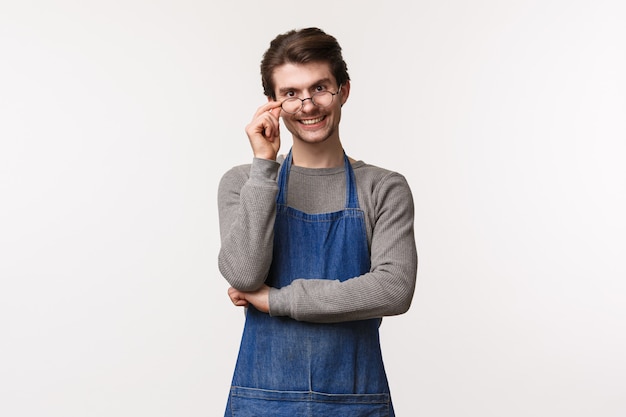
345	92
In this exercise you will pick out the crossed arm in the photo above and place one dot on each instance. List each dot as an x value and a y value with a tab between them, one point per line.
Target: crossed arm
247	211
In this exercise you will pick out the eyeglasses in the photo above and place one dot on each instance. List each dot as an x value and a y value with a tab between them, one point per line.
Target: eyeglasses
321	99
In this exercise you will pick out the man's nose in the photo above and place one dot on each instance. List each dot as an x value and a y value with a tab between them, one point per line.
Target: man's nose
307	101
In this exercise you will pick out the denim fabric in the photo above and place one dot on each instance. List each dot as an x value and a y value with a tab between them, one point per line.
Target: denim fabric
247	402
291	368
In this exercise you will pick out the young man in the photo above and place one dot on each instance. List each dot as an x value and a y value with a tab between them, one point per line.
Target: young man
318	247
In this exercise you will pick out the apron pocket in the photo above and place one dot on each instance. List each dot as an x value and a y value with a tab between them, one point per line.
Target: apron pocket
252	402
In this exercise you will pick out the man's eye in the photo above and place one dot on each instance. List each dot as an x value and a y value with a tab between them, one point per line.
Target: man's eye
290	94
319	88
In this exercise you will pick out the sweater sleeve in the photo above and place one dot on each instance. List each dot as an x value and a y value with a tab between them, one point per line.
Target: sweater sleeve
247	209
384	291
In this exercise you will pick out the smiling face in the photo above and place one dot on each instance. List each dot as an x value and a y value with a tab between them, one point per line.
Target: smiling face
312	124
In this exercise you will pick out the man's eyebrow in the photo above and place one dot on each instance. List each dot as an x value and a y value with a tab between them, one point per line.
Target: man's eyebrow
323	81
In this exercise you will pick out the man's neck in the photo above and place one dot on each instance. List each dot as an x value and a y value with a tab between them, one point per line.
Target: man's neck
317	155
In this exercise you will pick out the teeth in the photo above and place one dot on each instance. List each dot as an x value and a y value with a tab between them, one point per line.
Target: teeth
312	121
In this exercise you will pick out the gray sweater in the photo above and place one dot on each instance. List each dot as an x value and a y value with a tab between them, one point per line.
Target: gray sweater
247	208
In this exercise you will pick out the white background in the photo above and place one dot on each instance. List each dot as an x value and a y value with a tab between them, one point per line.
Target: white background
118	118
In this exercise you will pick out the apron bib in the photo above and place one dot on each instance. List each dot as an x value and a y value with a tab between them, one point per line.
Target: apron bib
294	368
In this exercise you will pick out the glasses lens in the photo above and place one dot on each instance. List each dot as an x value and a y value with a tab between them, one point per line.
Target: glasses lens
292	105
323	98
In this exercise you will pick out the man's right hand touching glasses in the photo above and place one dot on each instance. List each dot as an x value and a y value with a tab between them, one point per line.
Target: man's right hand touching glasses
264	131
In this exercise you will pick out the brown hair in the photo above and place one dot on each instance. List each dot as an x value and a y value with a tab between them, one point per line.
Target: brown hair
300	47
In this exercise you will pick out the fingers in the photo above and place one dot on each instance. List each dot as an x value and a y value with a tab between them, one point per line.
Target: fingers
259	298
237	297
269	115
264	130
271	107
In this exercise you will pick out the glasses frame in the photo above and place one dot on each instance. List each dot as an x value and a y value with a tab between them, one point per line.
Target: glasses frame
312	98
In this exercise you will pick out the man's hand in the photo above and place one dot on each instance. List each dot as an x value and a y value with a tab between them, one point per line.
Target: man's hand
264	131
259	298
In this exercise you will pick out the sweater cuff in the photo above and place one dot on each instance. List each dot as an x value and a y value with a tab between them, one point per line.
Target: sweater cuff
278	303
264	169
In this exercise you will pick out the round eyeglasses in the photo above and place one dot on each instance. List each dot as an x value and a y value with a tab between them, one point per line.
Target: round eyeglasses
321	99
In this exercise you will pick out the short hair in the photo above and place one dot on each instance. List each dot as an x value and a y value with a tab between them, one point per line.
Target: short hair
300	47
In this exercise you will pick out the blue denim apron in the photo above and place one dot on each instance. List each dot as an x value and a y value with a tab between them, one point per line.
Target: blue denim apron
293	368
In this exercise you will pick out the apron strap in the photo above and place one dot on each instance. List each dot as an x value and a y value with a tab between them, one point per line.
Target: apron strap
283	176
352	197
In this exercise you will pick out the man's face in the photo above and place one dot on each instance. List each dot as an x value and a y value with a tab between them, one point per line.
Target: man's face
312	124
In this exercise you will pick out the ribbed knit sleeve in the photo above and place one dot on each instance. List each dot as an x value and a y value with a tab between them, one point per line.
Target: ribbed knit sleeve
247	209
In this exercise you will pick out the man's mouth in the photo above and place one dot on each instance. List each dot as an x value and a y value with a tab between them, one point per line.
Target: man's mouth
312	121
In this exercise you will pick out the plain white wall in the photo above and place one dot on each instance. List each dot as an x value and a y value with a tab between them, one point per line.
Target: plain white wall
118	118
